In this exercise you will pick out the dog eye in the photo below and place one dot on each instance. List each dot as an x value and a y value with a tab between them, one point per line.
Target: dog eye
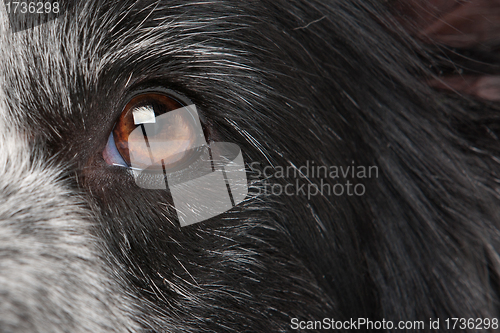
154	130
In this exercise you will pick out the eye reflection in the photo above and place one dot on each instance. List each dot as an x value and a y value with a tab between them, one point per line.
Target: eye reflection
156	131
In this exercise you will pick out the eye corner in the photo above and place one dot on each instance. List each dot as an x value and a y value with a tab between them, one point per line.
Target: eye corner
111	154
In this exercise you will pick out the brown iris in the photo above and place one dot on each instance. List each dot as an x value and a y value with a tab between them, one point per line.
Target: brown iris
152	131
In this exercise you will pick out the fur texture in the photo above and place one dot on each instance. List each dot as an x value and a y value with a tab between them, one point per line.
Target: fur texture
84	249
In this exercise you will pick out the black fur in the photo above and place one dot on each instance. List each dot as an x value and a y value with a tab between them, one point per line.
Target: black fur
289	82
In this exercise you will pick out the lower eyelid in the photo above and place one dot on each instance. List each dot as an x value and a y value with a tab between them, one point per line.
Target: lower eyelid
111	154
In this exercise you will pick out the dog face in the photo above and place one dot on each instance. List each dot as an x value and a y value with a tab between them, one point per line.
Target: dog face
292	83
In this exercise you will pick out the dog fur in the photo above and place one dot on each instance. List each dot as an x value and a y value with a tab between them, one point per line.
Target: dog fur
84	249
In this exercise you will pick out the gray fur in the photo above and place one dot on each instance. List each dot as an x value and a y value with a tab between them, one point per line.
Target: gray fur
51	276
